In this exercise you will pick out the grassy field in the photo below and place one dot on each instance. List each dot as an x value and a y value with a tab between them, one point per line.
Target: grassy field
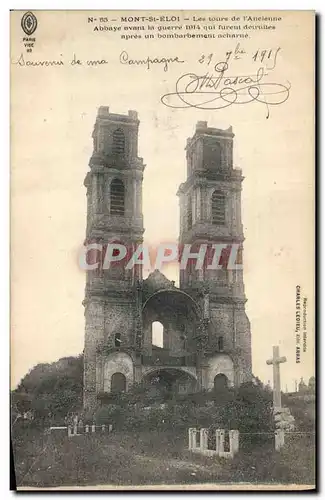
144	458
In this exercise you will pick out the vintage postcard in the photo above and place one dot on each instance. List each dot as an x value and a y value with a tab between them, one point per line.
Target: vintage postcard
162	249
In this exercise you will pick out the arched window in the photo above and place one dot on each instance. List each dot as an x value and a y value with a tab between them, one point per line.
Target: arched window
157	334
189	212
118	382
220	343
117	197
118	147
117	339
218	208
220	382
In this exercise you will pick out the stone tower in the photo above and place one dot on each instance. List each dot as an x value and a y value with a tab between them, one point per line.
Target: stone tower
210	213
114	214
205	333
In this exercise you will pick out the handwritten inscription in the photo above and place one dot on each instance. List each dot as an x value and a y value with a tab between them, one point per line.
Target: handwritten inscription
44	62
214	88
148	61
124	58
75	61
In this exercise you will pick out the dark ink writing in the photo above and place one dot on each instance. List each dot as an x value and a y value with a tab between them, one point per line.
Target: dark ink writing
148	61
219	90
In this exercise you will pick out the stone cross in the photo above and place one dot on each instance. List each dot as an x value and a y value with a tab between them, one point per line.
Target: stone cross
275	361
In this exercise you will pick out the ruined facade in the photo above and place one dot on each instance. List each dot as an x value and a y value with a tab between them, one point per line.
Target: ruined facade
206	337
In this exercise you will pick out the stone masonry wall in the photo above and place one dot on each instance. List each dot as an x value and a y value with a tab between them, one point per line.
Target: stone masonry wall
243	345
94	333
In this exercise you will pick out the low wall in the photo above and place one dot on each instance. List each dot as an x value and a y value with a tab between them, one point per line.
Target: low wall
198	442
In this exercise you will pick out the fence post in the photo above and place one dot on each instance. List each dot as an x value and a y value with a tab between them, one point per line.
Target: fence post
103	428
69	431
87	428
93	428
190	438
110	427
220	441
203	440
217	440
196	434
233	442
279	439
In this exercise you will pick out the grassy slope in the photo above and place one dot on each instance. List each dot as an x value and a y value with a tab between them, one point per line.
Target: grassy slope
151	458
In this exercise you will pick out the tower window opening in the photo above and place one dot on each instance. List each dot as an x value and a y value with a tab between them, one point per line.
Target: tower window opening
157	334
218	208
117	197
220	344
117	339
118	147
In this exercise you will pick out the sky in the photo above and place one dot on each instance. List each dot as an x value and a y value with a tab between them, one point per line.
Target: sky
53	111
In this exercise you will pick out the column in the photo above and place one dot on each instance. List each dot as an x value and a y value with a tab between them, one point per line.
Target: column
94	194
234	442
139	194
279	439
198	203
203	440
190	438
100	187
135	198
220	440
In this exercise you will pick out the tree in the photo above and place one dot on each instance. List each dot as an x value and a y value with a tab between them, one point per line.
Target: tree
51	390
312	384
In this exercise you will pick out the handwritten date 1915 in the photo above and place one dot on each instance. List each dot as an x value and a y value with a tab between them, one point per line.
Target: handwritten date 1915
267	57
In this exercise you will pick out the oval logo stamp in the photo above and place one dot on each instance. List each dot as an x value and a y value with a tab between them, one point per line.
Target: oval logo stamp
29	23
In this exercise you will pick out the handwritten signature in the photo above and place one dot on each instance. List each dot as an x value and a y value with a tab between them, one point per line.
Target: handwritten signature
217	90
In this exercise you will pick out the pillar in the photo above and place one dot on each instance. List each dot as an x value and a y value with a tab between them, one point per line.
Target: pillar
220	440
203	440
234	441
192	433
279	439
95	200
190	438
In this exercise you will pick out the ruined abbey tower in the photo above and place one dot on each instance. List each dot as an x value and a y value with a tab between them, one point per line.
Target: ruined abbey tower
206	339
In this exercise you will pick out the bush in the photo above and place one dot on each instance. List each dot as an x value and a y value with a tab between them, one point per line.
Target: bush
248	408
50	391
